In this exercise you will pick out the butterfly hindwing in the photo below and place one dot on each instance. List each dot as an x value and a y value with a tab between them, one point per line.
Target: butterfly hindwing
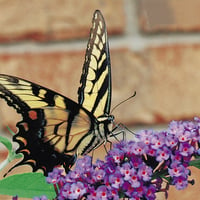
52	124
95	90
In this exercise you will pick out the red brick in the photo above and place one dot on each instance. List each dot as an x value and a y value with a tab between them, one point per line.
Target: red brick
173	82
61	71
49	20
171	15
166	80
58	71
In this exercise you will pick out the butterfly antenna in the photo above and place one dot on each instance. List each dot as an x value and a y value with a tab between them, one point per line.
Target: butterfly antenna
123	102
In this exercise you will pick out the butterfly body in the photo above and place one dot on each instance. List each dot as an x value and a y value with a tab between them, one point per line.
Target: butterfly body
55	129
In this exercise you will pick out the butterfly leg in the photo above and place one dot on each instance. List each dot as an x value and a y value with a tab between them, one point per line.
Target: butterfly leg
92	156
126	128
110	145
69	162
122	130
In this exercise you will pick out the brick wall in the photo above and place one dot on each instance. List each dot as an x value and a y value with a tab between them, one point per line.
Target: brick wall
155	50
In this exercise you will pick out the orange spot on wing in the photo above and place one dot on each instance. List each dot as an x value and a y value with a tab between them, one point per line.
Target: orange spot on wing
25	151
23	140
33	115
25	125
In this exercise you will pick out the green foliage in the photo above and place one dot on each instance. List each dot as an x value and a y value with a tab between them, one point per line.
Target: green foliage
27	185
6	142
195	162
11	152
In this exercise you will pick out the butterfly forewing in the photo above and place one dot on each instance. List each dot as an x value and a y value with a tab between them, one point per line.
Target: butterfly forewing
95	90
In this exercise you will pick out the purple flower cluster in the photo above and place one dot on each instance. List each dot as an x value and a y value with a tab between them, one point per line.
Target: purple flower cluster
172	150
134	169
121	175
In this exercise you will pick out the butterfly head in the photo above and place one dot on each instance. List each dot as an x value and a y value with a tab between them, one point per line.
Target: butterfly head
106	118
107	121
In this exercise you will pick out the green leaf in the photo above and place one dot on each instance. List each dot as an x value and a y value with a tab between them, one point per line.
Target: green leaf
195	163
10	131
11	152
6	142
27	185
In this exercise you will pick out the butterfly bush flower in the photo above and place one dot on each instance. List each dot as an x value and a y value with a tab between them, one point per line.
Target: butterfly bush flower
163	154
55	176
134	169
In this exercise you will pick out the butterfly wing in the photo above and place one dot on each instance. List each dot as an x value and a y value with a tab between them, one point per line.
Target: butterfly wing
94	94
52	126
